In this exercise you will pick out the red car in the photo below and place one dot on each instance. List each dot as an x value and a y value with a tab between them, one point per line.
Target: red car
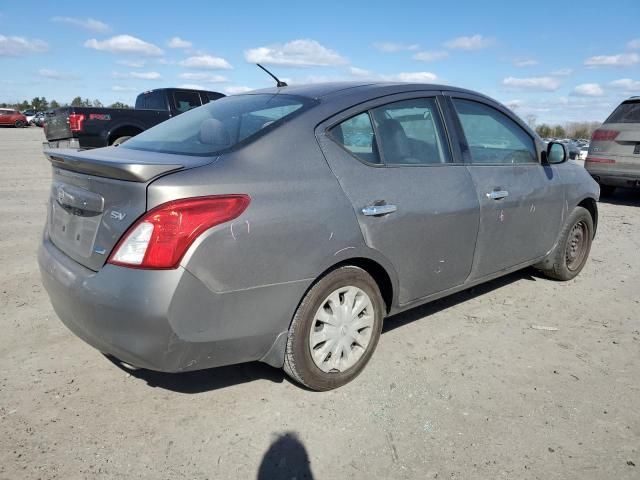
12	117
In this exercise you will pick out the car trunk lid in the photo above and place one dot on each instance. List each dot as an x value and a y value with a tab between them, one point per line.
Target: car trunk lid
96	195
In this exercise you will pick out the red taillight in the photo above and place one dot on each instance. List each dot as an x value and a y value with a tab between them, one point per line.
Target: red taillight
604	135
75	122
160	238
599	160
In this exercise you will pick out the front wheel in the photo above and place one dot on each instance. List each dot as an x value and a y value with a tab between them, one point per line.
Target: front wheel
335	329
19	124
571	253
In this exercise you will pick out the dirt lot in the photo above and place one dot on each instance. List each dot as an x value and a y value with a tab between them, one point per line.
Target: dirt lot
462	388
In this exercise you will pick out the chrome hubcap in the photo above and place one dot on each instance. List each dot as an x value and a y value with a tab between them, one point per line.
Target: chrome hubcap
341	330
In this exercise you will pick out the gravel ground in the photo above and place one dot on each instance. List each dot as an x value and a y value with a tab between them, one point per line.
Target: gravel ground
461	388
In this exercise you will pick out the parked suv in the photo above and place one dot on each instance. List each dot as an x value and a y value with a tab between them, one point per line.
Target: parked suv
614	153
12	117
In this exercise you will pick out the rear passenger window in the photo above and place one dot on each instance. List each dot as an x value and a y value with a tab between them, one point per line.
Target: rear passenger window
356	135
184	101
151	101
492	136
410	132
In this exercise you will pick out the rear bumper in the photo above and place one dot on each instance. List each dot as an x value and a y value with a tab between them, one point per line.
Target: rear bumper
65	143
615	179
164	320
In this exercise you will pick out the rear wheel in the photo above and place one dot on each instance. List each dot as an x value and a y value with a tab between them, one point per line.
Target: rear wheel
19	124
335	329
574	245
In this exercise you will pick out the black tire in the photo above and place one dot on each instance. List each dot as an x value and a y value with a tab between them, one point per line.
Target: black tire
19	124
298	363
571	253
606	190
120	140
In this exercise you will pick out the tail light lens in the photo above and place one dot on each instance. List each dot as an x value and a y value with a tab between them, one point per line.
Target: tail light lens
160	238
75	122
604	135
600	160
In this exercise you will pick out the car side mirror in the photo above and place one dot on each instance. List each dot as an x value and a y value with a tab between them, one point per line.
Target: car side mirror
556	153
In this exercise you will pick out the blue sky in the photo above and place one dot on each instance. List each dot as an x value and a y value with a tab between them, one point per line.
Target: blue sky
561	61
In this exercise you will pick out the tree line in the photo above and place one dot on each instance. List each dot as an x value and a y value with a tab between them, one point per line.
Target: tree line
41	104
568	130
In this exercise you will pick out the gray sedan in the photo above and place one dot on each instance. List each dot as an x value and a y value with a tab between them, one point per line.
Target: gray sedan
284	225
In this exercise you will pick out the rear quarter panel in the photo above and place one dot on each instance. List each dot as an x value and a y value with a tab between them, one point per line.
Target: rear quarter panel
298	223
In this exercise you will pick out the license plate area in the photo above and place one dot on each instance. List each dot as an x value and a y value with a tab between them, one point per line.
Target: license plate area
76	215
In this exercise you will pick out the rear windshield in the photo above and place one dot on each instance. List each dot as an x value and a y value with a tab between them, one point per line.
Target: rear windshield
219	125
627	112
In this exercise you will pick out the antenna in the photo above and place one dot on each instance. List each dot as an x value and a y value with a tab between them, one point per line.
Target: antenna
279	83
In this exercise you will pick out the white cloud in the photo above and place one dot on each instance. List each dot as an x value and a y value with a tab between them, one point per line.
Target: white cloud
627	85
532	83
235	89
138	75
525	62
203	77
431	56
125	44
206	62
619	60
54	74
588	90
635	43
515	104
563	72
297	53
17	46
474	42
90	24
132	63
391	47
120	88
359	72
411	77
177	42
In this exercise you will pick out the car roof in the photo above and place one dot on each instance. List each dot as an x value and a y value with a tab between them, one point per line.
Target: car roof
321	90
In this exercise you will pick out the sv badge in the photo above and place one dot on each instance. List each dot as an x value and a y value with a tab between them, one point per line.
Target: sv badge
117	215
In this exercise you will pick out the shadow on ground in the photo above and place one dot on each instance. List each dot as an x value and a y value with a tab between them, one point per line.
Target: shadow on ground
622	196
215	378
286	458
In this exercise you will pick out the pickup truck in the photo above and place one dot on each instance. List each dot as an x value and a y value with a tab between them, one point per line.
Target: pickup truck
93	127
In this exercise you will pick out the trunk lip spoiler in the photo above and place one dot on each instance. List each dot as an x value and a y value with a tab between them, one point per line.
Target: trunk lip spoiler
133	171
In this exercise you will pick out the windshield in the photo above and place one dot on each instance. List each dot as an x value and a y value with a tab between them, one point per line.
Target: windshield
219	125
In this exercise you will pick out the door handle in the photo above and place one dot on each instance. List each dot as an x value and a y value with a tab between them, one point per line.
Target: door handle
497	194
378	210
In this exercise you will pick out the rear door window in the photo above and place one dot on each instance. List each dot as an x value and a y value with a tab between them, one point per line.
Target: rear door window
627	112
356	135
151	101
183	101
493	137
410	132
